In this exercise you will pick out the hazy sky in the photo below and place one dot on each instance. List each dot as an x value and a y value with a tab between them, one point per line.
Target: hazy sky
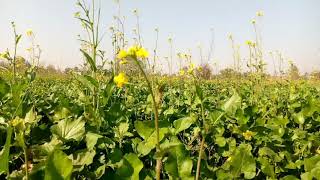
290	26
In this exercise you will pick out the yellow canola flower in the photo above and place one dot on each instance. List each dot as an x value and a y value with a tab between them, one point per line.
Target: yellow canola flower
253	21
120	80
122	54
260	13
142	53
248	135
200	68
191	68
29	32
123	61
181	72
132	50
138	52
249	43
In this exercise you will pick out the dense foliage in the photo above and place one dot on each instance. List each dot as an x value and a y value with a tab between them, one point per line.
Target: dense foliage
259	130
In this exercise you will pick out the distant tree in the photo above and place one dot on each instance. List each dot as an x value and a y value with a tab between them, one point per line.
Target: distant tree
228	72
315	75
204	71
293	71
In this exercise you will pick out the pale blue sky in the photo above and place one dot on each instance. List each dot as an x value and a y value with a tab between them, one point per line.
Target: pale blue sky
291	26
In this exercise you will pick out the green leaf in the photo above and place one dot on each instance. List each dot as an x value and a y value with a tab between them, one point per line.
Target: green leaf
61	114
299	118
4	154
18	37
87	81
82	158
91	139
58	166
144	128
183	123
232	104
125	169
242	162
221	141
69	129
4	88
122	131
89	60
31	116
311	163
135	163
289	177
148	144
179	164
266	167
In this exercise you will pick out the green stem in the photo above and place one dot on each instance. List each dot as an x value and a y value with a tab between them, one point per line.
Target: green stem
156	116
202	141
25	150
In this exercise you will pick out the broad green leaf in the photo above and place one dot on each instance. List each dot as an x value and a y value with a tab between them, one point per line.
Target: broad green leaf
231	105
148	144
58	166
31	116
4	153
125	170
144	128
61	114
220	141
99	172
266	167
179	164
299	118
91	139
69	129
312	162
242	162
183	123
122	131
82	158
265	151
135	163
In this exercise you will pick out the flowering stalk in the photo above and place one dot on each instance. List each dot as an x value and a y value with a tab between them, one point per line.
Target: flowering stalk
134	53
156	117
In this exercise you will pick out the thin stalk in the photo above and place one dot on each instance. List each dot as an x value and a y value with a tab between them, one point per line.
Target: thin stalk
156	117
199	158
202	142
25	150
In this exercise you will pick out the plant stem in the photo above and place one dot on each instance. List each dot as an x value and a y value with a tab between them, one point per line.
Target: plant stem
156	116
25	150
199	158
202	141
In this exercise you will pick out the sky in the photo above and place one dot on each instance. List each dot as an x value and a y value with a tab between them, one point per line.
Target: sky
289	26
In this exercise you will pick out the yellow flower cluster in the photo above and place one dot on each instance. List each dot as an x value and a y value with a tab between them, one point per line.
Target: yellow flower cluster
121	79
182	72
191	68
248	135
182	56
135	52
260	13
29	32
